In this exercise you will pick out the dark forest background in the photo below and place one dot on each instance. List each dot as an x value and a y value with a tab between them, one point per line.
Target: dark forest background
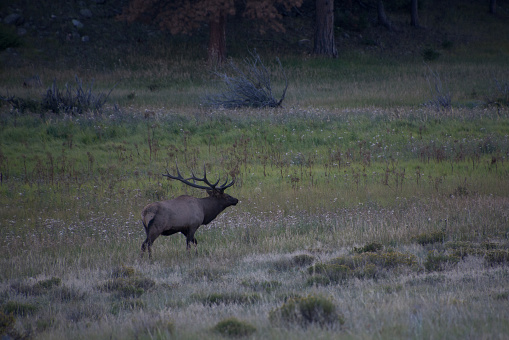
90	35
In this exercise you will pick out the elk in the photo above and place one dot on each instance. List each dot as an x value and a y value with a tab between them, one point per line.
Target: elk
185	214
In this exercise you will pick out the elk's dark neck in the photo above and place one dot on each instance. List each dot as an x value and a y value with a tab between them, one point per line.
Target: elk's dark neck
211	208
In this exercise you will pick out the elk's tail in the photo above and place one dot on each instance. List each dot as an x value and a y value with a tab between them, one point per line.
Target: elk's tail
147	221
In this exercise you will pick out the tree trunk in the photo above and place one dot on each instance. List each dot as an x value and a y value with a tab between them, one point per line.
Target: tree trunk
324	29
413	14
217	40
382	17
493	6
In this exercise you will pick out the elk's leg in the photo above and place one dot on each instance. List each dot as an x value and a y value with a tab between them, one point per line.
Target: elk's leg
147	244
190	239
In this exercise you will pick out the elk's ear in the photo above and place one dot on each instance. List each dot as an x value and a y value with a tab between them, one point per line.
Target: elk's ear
210	192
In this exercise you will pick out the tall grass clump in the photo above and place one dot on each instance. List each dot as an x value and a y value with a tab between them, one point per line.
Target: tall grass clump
73	100
441	97
501	93
70	100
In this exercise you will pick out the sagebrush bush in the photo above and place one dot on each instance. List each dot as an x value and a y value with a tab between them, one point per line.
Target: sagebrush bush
267	286
19	308
124	271
303	260
429	238
497	256
227	298
334	272
369	248
307	311
436	261
7	321
365	265
38	288
128	287
234	327
48	283
126	304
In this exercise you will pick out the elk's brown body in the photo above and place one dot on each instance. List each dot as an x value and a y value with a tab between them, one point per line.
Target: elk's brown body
184	214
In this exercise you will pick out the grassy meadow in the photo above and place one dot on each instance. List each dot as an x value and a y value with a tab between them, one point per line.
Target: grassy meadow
396	216
363	213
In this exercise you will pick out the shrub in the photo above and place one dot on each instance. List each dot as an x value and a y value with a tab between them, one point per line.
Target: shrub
442	98
429	238
267	286
66	294
19	308
318	280
386	260
437	261
7	321
128	287
73	100
497	256
369	248
363	266
38	288
124	271
303	260
22	104
49	283
249	86
307	311
234	328
502	296
129	304
227	298
500	95
334	272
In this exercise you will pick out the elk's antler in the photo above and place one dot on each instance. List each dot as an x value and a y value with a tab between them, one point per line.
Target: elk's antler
193	184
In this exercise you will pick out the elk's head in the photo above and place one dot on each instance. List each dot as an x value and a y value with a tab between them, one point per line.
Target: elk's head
212	189
223	196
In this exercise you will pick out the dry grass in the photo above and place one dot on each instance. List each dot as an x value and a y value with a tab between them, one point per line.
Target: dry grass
102	284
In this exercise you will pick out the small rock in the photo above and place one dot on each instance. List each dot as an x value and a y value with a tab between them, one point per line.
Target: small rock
77	23
14	19
86	13
85	38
